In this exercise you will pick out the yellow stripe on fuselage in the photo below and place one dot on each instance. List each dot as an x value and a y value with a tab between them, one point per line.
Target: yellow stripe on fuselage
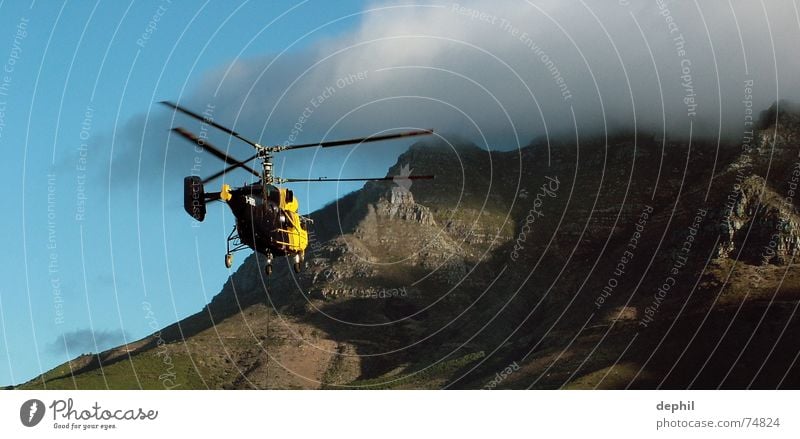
298	237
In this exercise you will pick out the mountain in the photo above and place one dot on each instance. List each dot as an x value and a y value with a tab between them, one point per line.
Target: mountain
627	261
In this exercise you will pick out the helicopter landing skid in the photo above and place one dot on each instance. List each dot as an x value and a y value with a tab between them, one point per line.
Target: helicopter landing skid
233	244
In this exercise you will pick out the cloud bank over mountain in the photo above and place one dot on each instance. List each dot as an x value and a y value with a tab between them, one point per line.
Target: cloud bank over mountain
512	71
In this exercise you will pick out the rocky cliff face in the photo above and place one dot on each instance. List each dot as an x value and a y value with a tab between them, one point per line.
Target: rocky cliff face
399	204
759	220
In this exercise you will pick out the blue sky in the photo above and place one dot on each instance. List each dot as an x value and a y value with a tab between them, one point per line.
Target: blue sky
75	75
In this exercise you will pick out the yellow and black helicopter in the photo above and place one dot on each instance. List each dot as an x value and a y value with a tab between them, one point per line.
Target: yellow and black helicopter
267	218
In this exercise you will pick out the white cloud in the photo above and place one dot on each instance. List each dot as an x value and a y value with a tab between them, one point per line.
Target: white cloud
471	68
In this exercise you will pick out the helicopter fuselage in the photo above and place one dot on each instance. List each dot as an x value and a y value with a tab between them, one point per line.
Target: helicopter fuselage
265	221
255	219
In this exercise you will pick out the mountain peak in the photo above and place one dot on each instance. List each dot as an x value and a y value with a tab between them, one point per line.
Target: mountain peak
782	114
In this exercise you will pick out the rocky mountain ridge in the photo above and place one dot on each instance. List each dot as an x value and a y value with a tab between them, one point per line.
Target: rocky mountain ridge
610	262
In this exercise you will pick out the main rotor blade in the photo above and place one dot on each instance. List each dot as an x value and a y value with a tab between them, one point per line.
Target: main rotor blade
327	144
219	174
210	122
324	179
216	152
229	169
332	143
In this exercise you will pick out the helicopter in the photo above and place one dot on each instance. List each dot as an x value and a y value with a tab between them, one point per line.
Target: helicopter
267	217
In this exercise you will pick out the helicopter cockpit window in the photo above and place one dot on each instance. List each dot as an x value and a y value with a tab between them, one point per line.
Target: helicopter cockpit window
274	196
289	196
